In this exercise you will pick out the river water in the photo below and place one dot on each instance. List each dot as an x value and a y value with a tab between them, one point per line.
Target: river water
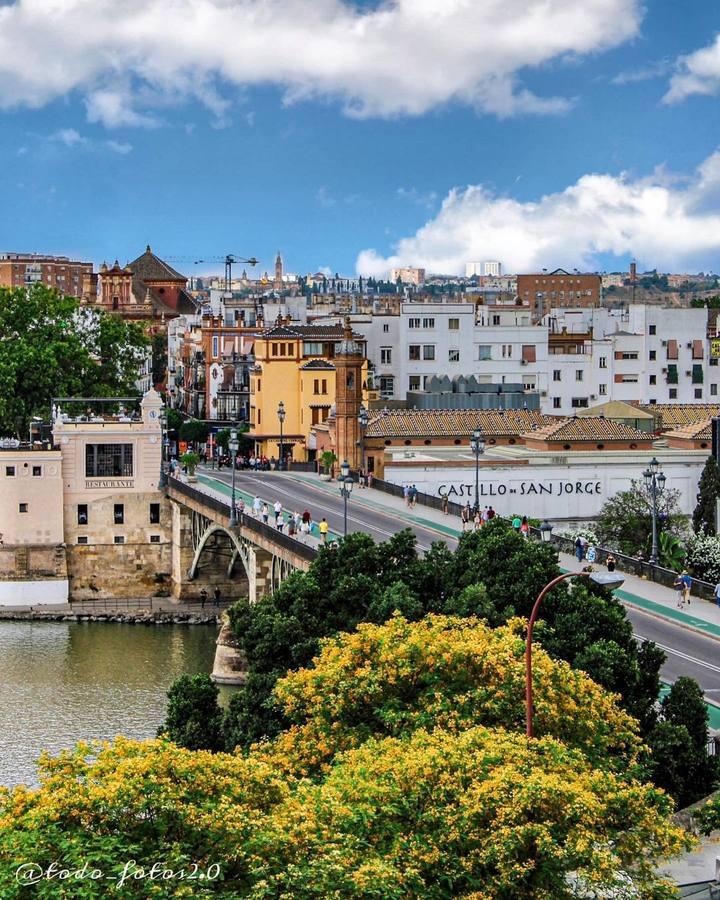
62	682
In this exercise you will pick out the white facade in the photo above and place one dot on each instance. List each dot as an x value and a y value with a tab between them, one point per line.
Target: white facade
492	267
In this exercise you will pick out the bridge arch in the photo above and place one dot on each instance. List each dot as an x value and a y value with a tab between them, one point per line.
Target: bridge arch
239	547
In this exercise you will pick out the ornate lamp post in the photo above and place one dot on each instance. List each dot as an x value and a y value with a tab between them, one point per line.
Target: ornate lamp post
655	486
346	486
281	417
233	445
477	445
363	422
609	579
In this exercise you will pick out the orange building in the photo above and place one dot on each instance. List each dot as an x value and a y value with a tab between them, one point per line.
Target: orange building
70	277
559	289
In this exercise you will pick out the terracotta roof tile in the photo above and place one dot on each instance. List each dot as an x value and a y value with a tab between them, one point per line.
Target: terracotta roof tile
454	422
695	431
589	428
673	415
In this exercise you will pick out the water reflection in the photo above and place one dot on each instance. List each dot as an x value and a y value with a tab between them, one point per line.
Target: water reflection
61	682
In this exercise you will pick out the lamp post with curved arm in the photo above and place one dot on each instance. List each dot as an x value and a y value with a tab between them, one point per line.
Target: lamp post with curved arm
609	579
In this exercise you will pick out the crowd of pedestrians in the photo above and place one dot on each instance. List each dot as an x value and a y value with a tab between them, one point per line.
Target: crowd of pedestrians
473	520
295	524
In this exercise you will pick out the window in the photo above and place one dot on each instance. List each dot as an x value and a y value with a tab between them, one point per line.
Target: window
698	393
37	471
453	355
23	508
579	374
672	393
428	323
602	390
557	375
154	513
428	351
386	356
627	354
215	346
414	352
713	361
108	460
312	348
82	539
453	324
387	387
119	514
556	403
414	323
82	514
672	374
602	362
386	327
154	538
316	386
579	402
414	383
528	353
653	379
484	351
713	390
324	384
119	539
507	350
697	374
9	471
652	355
652	329
274	349
496	320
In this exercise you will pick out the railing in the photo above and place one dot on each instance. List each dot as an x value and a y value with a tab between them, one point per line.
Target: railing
425	499
246	521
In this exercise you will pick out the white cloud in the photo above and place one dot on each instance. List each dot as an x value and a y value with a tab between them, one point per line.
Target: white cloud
68	136
404	57
324	197
697	73
121	147
662	220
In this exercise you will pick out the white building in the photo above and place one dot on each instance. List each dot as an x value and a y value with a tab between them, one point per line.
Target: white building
492	267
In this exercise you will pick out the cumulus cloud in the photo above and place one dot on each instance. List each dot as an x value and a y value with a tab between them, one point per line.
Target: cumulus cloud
68	136
697	73
404	57
121	147
662	220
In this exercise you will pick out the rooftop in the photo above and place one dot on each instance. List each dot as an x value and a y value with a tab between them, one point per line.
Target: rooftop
590	428
695	431
454	422
673	415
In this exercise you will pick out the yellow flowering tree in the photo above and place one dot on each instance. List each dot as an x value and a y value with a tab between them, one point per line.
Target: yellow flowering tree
453	673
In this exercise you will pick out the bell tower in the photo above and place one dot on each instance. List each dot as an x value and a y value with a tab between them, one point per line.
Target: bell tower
348	398
278	271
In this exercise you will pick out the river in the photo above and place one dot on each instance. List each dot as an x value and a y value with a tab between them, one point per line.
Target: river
62	682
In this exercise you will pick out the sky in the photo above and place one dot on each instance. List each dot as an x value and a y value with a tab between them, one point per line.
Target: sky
356	136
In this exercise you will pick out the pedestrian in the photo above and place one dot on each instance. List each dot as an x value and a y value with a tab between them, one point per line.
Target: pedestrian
444	501
257	506
324	530
611	562
491	513
277	507
203	598
465	516
280	522
297	521
216	597
370	477
687	584
477	520
406	494
579	549
241	508
525	527
306	517
516	523
265	513
413	496
717	593
485	515
679	586
591	553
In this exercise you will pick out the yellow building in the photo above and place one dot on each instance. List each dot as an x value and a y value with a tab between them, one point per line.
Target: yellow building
294	365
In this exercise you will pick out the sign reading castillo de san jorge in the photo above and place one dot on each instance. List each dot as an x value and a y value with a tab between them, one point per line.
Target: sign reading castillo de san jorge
523	488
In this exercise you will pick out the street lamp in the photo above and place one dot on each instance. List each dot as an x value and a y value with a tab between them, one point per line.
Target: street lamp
233	445
655	486
346	486
281	417
163	446
477	445
363	422
546	532
608	579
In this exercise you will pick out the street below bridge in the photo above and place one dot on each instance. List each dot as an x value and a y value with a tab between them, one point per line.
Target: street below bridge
690	637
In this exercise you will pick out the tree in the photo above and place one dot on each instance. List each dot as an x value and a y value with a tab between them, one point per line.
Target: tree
190	461
705	514
625	520
703	556
52	346
194	431
194	718
159	359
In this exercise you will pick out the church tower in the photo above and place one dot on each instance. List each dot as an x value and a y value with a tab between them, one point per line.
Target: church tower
278	271
348	398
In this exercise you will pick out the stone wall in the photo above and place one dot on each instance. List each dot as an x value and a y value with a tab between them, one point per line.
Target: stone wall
98	571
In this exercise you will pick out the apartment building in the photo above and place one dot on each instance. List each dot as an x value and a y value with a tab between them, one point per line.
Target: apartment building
70	277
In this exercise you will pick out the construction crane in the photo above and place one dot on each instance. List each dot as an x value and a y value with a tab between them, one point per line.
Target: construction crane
229	261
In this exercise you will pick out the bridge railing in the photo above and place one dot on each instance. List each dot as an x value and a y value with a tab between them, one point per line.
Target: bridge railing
424	499
247	522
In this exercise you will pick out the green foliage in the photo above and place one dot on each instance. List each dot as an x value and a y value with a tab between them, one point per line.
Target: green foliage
194	718
190	461
671	551
174	420
159	359
704	516
52	346
222	438
703	557
194	430
625	521
327	460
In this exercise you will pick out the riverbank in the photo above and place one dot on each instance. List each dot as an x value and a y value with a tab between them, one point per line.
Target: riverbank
138	616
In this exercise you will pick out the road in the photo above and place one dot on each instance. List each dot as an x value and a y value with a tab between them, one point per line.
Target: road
297	495
688	653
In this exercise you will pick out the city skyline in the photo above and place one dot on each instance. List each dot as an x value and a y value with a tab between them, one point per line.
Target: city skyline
348	151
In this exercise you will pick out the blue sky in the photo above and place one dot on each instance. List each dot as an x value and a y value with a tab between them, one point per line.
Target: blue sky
337	132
